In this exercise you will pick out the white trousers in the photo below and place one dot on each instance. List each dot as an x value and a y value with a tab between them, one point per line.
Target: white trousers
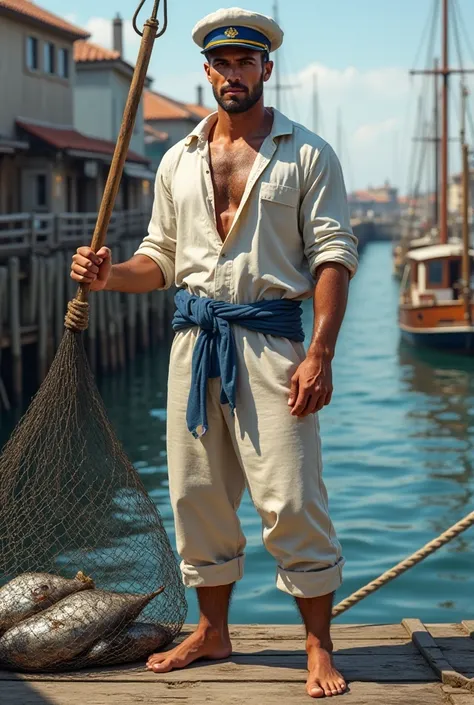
262	447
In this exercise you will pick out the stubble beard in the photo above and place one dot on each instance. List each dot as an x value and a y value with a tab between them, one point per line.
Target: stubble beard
240	103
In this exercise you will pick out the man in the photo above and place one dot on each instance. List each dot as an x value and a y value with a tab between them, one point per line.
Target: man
250	217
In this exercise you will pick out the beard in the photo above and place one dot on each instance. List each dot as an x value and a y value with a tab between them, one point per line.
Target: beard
240	103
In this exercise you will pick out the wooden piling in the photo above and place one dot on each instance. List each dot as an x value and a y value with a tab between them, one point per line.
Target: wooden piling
4	400
102	332
15	328
92	332
59	302
33	305
111	328
42	320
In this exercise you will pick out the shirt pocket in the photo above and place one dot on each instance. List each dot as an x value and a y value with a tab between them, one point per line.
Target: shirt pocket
279	194
279	209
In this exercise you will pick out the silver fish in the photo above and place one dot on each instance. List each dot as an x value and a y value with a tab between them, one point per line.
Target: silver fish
133	643
30	593
68	628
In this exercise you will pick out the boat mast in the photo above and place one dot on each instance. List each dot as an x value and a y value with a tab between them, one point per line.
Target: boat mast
436	141
443	208
466	262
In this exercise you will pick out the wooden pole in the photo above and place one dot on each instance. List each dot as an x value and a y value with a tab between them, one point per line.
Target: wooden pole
443	224
123	141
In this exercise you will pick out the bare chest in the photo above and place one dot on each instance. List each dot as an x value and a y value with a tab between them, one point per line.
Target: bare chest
230	169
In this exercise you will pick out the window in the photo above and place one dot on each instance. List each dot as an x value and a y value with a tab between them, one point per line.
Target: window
49	58
63	63
435	273
41	197
32	53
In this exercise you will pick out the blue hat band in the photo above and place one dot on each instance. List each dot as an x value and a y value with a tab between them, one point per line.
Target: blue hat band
235	36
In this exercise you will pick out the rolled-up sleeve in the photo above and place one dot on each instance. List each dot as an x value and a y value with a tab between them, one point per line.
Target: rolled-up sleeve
324	215
160	243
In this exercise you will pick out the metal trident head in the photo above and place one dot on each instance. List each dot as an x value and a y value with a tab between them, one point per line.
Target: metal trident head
153	20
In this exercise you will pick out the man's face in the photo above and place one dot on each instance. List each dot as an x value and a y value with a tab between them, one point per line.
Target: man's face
237	76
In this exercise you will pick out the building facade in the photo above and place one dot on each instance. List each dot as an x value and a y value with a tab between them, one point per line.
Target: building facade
167	121
46	164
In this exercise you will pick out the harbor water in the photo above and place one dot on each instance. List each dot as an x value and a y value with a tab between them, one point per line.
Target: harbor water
398	451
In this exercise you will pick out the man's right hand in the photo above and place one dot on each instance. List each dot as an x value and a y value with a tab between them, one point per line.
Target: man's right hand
92	268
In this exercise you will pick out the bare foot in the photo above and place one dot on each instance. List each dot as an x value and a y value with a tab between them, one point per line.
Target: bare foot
202	644
324	679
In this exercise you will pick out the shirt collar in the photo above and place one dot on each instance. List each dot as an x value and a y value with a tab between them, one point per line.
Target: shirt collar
281	126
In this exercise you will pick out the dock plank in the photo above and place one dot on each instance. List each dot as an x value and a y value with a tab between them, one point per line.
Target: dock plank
218	693
261	667
268	666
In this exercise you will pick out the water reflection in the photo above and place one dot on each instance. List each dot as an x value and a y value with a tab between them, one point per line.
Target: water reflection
442	419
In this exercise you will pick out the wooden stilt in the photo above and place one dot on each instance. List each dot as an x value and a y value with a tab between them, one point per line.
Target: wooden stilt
4	400
92	332
15	328
60	303
111	329
42	320
102	332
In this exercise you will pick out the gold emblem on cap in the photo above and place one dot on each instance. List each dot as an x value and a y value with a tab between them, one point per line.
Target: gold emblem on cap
232	33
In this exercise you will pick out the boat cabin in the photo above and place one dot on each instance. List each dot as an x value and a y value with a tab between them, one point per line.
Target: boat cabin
433	275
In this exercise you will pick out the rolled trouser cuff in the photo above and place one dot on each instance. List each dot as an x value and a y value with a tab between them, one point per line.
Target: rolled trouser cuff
310	583
214	574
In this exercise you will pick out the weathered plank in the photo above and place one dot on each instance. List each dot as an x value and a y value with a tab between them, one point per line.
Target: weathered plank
211	694
456	696
343	631
260	667
447	671
468	626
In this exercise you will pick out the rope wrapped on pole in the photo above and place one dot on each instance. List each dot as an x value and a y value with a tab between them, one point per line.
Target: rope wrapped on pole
404	565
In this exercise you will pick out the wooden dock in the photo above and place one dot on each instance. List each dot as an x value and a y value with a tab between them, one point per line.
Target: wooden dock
396	664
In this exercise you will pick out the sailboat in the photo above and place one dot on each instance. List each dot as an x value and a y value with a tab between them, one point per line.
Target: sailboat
436	305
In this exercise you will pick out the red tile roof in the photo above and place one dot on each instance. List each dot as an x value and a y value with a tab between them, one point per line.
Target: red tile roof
154	134
37	14
68	138
86	51
160	107
200	110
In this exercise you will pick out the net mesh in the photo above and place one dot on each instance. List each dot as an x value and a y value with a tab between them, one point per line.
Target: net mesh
83	549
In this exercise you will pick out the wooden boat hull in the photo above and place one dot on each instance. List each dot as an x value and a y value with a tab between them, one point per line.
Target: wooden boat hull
455	341
440	327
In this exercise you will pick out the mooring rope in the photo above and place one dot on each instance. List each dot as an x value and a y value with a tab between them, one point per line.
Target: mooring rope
405	565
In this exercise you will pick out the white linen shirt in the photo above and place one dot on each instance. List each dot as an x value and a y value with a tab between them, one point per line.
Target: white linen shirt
293	217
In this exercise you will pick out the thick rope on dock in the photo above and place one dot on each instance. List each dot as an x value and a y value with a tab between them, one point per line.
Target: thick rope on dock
405	565
77	316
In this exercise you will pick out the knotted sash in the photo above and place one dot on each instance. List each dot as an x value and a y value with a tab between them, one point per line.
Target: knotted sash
214	354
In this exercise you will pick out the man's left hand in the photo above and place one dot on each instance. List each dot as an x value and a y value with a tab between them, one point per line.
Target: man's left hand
311	386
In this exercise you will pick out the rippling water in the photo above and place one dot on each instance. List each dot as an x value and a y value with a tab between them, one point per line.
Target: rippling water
398	450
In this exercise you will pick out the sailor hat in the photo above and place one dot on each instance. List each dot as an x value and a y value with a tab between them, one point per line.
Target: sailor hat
237	27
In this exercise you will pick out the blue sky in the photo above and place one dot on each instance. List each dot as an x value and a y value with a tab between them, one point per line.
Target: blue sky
360	50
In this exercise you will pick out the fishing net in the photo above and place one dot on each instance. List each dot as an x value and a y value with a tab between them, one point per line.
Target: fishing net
87	573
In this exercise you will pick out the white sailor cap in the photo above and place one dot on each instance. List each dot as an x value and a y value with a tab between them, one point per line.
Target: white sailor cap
237	27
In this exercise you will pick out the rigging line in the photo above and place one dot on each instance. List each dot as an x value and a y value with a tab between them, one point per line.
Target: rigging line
426	28
457	37
464	30
457	23
425	80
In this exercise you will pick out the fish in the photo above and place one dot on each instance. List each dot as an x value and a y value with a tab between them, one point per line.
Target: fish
30	593
133	643
73	625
